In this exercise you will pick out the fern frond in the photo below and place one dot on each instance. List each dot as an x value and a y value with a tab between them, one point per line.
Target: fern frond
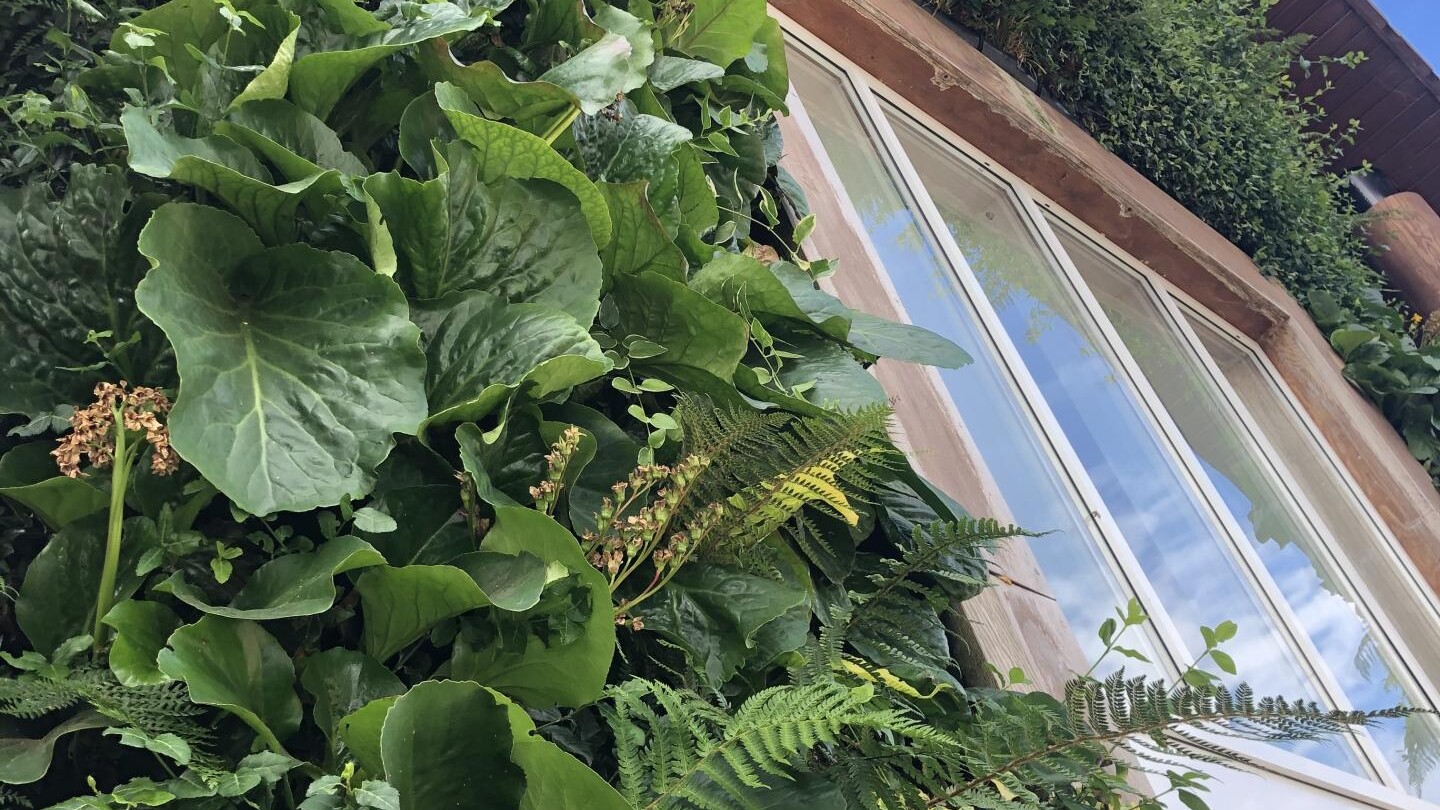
675	750
927	554
767	470
1153	722
31	697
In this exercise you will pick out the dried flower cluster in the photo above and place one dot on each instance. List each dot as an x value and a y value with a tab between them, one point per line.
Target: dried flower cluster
93	429
629	534
557	463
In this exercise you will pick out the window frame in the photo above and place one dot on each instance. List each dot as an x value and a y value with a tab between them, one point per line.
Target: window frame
866	94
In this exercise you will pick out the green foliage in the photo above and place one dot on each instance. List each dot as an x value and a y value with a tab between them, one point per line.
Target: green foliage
1394	361
484	413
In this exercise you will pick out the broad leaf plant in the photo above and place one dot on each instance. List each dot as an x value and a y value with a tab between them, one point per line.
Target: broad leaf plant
429	405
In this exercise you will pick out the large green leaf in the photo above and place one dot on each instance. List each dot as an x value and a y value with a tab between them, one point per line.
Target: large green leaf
141	629
640	243
719	31
318	80
837	378
868	333
286	587
448	744
742	284
295	142
236	666
28	476
68	268
402	604
670	72
715	612
534	106
555	780
296	365
612	66
480	349
226	169
274	80
342	682
624	145
694	330
518	240
57	598
23	760
360	731
506	151
565	672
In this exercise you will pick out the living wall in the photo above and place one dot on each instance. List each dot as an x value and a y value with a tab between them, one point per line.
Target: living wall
426	405
1198	97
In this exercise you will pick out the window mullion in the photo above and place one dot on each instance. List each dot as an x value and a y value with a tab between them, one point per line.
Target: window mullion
1118	554
1332	551
1203	489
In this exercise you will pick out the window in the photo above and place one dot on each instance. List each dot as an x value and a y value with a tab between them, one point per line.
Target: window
1159	450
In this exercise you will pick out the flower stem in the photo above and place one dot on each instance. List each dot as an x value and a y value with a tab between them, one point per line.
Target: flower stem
561	124
119	482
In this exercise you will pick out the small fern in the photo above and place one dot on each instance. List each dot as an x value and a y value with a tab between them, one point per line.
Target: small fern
675	750
154	710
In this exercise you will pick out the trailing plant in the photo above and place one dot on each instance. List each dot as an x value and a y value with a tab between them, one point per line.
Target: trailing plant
449	393
1394	360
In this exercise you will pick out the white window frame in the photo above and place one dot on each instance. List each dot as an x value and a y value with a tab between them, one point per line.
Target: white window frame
866	92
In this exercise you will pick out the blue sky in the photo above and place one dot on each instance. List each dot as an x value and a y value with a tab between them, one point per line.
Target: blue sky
1419	22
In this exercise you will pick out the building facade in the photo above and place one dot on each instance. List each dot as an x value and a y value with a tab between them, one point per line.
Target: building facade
1138	390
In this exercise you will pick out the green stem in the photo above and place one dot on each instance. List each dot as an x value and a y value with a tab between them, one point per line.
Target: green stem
561	124
119	482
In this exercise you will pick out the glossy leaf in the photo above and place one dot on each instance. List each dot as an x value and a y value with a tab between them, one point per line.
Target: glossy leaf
287	587
141	629
714	613
506	151
695	331
294	141
640	243
402	604
318	80
28	476
236	666
24	760
519	241
449	744
610	67
68	267
57	597
533	105
288	399
570	673
625	145
481	349
670	72
226	169
720	31
554	780
344	681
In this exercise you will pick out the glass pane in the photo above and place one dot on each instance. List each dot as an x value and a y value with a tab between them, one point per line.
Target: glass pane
1035	493
1322	597
1177	539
